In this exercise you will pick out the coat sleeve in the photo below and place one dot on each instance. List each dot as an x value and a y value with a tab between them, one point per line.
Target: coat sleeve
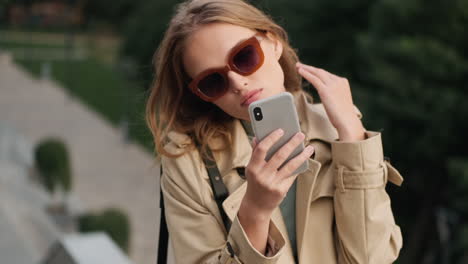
197	236
365	227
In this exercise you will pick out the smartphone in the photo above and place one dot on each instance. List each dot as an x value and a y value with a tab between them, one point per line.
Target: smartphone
271	113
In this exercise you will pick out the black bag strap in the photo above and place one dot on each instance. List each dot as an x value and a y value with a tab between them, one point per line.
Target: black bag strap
163	232
220	191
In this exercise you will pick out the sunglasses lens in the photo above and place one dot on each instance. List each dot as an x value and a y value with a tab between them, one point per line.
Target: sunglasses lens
213	85
247	59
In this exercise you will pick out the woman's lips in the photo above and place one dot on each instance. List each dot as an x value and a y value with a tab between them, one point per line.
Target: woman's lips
251	97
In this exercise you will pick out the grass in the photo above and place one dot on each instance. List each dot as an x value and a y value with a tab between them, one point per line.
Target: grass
103	89
103	46
94	80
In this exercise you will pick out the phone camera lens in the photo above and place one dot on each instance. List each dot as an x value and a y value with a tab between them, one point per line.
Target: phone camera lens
258	113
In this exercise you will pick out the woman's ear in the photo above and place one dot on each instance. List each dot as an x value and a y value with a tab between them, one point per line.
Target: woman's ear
277	44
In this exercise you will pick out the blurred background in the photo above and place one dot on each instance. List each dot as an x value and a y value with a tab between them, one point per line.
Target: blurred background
77	174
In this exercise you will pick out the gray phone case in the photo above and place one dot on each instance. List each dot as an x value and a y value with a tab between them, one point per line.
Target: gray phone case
279	111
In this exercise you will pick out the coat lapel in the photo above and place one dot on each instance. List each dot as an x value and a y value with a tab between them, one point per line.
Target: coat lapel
232	203
233	156
305	185
316	126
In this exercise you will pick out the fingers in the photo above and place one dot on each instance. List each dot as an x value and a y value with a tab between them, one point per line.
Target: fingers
261	148
322	74
313	75
289	168
283	153
319	78
314	80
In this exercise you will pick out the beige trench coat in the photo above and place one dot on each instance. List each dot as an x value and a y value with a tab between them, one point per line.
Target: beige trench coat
343	212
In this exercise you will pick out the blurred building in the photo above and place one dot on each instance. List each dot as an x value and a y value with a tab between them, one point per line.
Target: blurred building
91	248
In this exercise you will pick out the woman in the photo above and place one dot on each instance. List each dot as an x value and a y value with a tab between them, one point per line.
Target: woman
217	57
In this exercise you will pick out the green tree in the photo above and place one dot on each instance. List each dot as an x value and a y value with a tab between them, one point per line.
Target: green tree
53	164
111	12
143	32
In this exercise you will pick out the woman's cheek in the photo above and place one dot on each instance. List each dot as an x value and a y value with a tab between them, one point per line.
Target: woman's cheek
274	74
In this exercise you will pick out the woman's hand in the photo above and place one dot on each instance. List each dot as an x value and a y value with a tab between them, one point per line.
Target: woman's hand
335	93
267	186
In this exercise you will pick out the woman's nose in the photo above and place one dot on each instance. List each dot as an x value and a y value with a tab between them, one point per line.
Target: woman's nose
237	82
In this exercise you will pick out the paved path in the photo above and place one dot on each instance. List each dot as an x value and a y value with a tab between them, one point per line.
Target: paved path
106	171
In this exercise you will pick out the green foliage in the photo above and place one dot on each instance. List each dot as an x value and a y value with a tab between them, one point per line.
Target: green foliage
114	12
457	196
53	163
89	80
143	31
111	221
458	182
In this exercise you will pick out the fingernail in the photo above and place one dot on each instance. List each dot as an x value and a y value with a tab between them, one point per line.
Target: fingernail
300	135
280	132
309	149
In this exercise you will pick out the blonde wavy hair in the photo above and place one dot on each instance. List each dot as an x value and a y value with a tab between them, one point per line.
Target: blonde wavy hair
171	106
